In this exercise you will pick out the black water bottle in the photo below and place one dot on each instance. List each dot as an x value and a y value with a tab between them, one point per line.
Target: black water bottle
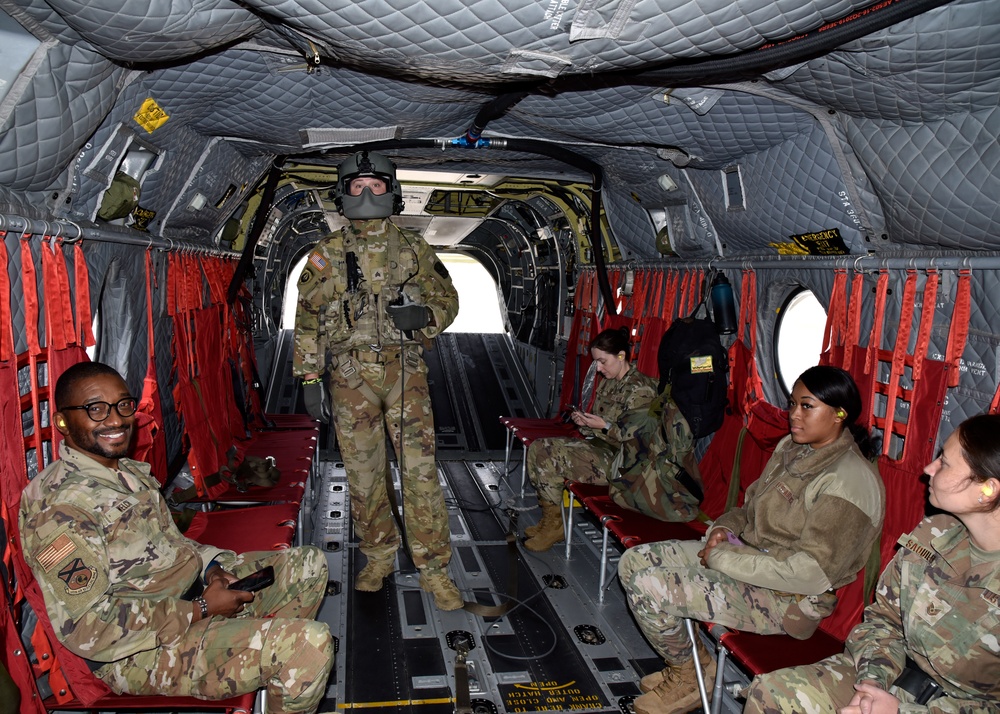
723	305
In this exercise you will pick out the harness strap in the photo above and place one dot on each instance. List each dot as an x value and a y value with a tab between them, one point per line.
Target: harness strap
84	317
835	330
899	359
959	326
926	323
854	318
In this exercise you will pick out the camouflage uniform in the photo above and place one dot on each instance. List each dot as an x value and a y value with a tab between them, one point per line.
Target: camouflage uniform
782	576
112	567
342	326
591	459
658	465
935	604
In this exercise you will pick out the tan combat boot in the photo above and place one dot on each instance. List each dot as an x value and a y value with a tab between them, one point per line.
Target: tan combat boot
369	580
437	582
550	529
677	691
652	681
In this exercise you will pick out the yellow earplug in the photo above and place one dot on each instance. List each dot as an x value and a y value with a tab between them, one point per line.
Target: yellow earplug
987	490
841	414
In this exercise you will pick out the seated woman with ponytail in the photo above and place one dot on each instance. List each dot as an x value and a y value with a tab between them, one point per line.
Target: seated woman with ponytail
929	641
622	390
773	565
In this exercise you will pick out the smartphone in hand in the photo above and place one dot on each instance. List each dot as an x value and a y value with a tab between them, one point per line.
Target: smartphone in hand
255	581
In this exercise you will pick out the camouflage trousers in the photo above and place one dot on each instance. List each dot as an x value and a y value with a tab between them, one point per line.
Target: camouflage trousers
552	460
815	688
273	643
665	583
364	405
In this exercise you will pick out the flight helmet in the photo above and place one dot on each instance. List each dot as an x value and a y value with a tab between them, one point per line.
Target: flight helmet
368	205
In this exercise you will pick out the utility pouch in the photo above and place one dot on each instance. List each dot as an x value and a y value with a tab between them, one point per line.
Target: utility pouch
803	617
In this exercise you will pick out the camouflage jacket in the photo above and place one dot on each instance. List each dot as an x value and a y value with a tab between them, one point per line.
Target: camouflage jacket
796	515
348	281
937	607
108	557
615	398
657	459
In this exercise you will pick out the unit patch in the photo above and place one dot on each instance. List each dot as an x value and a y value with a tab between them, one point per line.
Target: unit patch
78	576
306	276
701	364
317	260
60	548
440	269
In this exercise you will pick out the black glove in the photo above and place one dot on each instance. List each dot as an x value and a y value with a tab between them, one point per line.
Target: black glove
409	317
314	394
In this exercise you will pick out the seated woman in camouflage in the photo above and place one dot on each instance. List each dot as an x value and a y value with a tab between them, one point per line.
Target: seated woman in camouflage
622	389
658	475
774	564
929	641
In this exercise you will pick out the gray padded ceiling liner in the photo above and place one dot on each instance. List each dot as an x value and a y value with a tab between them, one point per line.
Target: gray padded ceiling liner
890	138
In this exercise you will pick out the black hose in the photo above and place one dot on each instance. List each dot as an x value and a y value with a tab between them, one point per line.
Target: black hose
257	229
766	58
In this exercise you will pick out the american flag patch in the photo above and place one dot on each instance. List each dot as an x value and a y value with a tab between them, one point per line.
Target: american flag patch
317	260
56	552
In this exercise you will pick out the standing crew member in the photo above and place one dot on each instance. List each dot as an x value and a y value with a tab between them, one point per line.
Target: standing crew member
151	610
363	293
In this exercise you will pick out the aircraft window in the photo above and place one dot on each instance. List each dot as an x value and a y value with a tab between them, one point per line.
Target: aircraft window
734	188
798	336
479	304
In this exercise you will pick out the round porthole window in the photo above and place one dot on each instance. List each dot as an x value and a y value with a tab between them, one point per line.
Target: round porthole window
798	336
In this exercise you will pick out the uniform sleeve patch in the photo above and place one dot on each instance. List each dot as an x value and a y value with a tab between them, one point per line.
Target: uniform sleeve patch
78	576
60	549
306	276
440	269
317	260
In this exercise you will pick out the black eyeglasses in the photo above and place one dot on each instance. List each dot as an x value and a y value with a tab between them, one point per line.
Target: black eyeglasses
99	411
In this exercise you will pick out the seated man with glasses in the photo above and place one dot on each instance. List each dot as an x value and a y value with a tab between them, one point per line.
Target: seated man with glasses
150	610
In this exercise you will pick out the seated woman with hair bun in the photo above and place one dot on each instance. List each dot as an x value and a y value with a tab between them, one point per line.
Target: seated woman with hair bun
772	566
929	641
623	389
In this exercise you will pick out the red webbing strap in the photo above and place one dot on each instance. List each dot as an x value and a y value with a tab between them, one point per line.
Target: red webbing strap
995	404
29	285
854	318
84	317
12	480
670	298
150	445
835	330
659	278
754	387
687	296
926	323
959	326
216	287
899	360
171	286
6	322
59	329
875	340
